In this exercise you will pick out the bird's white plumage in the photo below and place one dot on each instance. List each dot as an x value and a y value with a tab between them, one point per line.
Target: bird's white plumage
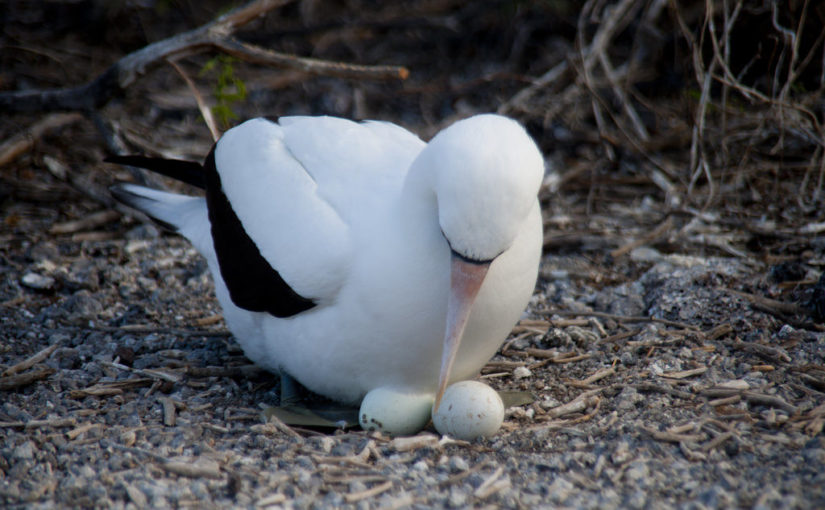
357	217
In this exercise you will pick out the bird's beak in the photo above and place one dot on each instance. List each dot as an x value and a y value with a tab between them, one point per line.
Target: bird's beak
466	277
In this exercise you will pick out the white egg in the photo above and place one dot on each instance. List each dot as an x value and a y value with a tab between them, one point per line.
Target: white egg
394	411
469	410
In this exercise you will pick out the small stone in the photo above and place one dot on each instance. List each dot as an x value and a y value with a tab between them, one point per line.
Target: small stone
622	453
128	437
458	464
636	473
37	281
81	306
519	413
645	254
628	358
522	373
86	471
357	486
421	465
734	384
458	498
136	245
560	489
556	337
137	497
628	399
582	337
24	452
549	403
637	499
126	355
327	443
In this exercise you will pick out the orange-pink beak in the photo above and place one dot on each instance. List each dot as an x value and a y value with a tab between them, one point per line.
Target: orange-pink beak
466	277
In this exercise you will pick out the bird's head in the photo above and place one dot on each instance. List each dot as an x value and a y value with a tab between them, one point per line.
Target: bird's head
486	173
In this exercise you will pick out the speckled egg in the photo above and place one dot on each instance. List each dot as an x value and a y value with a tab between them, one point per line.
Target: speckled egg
469	410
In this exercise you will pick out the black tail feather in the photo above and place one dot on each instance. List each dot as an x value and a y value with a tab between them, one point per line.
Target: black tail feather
181	170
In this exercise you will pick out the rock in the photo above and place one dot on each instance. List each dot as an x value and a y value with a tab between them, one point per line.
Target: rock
559	490
521	373
582	337
81	306
458	498
645	254
24	451
37	281
628	399
621	453
458	464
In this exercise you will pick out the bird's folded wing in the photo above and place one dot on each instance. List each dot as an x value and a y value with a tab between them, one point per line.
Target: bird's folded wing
356	165
294	229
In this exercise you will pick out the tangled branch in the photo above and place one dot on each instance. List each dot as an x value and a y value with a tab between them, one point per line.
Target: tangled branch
215	35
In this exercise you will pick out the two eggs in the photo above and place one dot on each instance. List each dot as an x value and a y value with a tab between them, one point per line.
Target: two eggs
468	410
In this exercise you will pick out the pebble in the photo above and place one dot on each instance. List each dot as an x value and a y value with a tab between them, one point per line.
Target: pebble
522	373
458	498
645	254
37	281
24	452
421	465
607	461
636	473
628	399
560	489
621	453
581	336
458	464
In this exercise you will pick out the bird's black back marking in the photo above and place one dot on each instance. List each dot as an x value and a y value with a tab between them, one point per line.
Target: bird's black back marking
182	170
253	284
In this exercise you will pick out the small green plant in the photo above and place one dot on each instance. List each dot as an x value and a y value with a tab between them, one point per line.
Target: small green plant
228	89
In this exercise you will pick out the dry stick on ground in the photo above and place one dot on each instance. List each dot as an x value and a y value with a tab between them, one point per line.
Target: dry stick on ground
620	318
24	140
15	381
31	361
34	424
214	35
769	305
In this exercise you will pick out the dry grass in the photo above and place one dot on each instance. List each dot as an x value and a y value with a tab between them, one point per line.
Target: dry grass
737	115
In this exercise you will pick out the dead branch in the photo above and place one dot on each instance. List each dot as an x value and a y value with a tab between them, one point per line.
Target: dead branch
24	141
30	362
15	381
215	35
206	112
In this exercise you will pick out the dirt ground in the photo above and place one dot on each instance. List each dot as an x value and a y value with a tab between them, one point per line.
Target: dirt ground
674	347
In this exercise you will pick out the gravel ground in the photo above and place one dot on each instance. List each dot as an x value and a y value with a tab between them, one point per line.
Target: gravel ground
140	399
675	356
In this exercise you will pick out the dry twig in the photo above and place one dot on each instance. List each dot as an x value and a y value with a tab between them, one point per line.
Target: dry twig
30	362
24	141
213	35
15	381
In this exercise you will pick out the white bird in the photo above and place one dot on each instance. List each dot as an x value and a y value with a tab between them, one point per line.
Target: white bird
352	255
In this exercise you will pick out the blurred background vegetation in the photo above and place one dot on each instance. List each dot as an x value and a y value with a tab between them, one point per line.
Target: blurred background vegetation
702	105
